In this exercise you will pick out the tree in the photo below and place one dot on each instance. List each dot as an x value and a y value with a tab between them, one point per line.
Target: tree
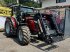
31	4
10	2
23	2
2	3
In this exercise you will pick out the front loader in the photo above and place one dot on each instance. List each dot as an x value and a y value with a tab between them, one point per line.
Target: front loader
45	27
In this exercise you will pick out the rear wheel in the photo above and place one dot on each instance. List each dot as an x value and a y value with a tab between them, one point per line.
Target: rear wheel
24	35
8	28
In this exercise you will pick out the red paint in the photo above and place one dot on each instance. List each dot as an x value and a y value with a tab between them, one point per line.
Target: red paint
31	23
14	22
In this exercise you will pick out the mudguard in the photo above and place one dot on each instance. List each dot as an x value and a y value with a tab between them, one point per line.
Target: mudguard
14	22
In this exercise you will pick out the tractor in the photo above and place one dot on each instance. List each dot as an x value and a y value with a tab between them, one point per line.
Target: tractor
25	22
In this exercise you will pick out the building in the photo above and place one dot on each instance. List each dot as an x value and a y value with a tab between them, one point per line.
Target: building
52	3
60	8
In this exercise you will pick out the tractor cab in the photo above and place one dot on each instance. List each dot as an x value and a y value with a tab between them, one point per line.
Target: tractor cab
21	12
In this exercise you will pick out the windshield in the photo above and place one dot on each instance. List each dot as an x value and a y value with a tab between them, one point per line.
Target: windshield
26	10
30	10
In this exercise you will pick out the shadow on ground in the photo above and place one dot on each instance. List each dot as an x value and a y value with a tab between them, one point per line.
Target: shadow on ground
39	43
42	45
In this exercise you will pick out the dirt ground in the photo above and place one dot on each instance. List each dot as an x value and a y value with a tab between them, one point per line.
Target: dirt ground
11	45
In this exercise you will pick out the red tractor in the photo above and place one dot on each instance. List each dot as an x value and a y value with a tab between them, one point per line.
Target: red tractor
24	22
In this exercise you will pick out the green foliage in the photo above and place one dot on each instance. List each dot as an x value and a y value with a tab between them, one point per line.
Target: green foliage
31	4
2	3
23	2
10	2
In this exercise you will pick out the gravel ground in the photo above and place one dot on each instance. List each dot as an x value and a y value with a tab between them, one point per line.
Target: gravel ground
11	45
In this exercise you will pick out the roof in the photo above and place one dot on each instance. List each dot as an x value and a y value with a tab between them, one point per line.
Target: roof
20	5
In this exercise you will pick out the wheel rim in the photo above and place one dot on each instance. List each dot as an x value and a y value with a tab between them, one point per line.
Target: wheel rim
7	28
20	35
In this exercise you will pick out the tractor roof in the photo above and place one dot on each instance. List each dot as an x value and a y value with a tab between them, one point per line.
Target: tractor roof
21	6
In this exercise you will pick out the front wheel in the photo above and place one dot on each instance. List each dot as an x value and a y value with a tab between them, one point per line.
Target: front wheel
24	35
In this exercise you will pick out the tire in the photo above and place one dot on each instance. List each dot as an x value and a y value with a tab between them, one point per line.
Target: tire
8	28
24	35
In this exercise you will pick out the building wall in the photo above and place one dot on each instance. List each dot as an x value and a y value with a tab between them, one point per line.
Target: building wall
49	3
67	24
